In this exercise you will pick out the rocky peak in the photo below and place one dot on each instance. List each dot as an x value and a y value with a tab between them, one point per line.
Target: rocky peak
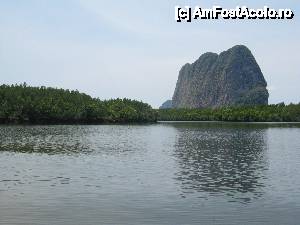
231	78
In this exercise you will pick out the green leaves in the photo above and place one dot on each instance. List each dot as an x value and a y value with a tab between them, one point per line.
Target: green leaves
126	110
22	103
269	113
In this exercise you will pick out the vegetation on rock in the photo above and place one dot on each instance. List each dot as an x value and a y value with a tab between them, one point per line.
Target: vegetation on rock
231	78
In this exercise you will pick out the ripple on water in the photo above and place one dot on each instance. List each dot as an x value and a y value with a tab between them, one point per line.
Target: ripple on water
155	174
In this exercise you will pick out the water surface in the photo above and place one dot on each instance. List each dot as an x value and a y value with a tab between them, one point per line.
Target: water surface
165	173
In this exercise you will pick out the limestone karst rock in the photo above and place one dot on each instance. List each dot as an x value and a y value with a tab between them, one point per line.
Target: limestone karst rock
231	78
166	105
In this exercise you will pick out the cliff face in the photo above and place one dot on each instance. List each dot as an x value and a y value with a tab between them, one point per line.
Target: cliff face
231	78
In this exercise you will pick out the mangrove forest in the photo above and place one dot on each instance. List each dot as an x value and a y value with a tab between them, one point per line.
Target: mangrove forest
263	113
41	105
44	105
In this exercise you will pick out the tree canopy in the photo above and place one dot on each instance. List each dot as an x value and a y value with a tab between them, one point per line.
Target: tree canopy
25	104
262	113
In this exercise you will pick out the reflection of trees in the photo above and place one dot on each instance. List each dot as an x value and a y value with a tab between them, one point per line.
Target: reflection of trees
221	159
64	139
44	139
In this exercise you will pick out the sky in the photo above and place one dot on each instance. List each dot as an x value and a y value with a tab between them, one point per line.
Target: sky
135	48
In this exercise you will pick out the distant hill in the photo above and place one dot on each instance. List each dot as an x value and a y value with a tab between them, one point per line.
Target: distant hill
232	78
166	105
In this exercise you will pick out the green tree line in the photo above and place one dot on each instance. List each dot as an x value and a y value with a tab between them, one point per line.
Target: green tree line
263	113
25	104
40	105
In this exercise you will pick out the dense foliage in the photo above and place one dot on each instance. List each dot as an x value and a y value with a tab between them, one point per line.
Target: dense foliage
24	104
270	113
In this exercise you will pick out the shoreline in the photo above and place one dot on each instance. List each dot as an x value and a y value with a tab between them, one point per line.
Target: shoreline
216	121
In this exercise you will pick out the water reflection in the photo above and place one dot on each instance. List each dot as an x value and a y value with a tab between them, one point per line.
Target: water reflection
64	139
221	160
44	139
152	174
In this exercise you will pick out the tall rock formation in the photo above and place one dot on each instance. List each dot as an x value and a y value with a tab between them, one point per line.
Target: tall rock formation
230	78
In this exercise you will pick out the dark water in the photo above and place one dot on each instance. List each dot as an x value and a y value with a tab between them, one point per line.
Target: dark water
167	173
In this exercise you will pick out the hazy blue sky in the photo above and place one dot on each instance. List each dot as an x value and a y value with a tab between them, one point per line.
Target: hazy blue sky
135	49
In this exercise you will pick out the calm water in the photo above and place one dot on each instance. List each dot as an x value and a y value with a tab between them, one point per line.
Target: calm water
166	173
